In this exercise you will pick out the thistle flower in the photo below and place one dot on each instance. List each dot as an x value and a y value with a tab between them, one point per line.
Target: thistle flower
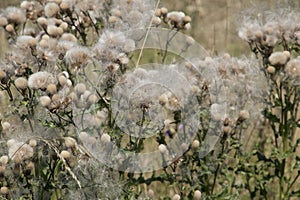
77	56
70	142
271	70
54	30
4	160
162	149
279	58
80	88
197	195
92	99
21	83
3	21
133	14
111	19
176	197
10	142
26	41
195	144
4	190
40	80
292	69
156	21
65	4
42	21
15	15
51	9
175	17
69	37
10	28
5	126
83	136
244	115
51	88
105	138
32	142
65	154
45	101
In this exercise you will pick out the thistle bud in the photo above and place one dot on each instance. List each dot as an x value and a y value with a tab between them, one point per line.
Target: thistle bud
164	11
105	138
187	19
162	149
42	21
80	88
70	142
112	19
197	195
4	190
65	154
4	160
176	197
51	9
10	28
195	144
32	143
5	126
21	83
271	70
244	115
3	21
45	101
51	88
64	5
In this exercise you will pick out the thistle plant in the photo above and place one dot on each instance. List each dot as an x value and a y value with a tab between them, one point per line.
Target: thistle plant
274	39
110	100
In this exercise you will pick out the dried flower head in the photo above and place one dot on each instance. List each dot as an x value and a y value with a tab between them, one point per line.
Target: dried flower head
77	56
105	138
176	197
162	149
21	83
4	160
65	154
51	9
15	15
45	101
197	195
4	190
40	80
3	21
279	58
80	88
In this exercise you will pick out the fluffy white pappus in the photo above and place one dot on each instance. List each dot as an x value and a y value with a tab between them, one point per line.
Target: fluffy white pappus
40	80
133	14
77	56
292	68
51	9
68	37
63	46
26	41
15	15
